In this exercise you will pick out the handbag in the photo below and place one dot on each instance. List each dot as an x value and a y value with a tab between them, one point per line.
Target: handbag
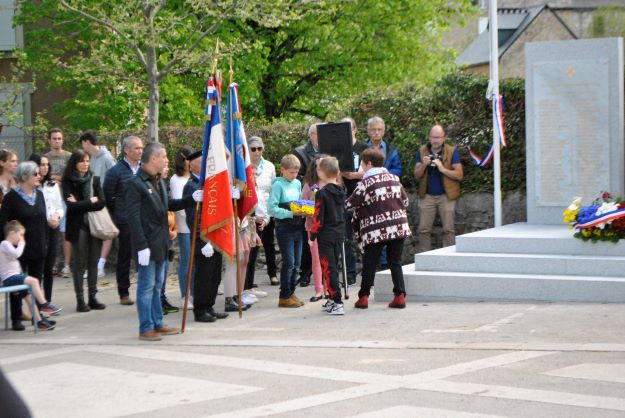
101	225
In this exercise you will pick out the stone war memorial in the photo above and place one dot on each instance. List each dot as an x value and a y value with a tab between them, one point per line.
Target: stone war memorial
574	148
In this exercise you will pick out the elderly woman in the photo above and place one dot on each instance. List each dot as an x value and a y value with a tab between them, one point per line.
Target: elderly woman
82	193
54	211
26	204
265	174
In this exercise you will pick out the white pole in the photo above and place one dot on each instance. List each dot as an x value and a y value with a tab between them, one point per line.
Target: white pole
494	81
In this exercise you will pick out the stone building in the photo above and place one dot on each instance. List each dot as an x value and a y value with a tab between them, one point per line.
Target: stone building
522	21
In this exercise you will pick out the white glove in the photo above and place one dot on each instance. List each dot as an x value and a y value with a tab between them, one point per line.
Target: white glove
236	193
207	250
198	195
144	257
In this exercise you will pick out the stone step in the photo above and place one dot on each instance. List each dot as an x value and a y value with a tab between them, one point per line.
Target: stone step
522	238
458	286
448	259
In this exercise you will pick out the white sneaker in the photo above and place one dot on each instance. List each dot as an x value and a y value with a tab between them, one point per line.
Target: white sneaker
258	293
189	303
66	272
100	273
248	299
327	305
85	274
336	309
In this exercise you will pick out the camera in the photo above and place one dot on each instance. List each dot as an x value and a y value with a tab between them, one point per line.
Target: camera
434	157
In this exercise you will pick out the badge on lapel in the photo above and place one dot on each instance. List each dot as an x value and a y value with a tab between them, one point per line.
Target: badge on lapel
149	190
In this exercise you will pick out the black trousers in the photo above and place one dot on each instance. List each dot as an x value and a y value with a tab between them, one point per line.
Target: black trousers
122	271
267	236
350	248
48	265
207	277
85	256
370	259
305	267
32	268
329	256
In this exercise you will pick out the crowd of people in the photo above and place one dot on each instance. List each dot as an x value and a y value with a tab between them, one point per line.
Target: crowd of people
53	196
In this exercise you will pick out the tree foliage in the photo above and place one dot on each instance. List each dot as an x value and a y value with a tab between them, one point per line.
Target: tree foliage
290	57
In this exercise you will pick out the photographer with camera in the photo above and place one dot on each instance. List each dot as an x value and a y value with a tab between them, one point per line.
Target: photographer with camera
439	171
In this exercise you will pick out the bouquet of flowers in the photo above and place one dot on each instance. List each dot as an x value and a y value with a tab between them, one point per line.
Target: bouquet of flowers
303	207
602	220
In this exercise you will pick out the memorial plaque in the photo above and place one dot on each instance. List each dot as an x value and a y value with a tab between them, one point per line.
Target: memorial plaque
574	112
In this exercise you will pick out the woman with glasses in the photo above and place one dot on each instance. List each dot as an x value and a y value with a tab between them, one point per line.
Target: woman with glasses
54	212
26	204
265	174
82	193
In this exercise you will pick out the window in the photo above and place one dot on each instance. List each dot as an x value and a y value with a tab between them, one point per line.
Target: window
8	33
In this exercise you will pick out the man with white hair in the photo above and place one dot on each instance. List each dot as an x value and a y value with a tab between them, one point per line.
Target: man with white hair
375	131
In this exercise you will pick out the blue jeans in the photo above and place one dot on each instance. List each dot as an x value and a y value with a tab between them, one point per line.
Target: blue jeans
184	243
290	242
149	285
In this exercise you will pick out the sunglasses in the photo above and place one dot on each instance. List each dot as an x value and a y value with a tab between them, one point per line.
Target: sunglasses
254	149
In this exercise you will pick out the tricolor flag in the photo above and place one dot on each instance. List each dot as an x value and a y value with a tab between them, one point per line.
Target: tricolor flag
216	221
498	113
240	162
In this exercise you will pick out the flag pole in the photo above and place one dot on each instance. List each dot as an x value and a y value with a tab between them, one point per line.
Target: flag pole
234	201
494	92
196	218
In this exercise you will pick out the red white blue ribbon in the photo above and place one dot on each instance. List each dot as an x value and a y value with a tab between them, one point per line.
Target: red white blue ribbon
606	217
498	113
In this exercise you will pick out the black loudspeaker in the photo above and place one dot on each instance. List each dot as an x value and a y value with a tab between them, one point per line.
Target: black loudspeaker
335	139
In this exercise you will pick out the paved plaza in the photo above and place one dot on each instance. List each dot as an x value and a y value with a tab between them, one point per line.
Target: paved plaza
429	360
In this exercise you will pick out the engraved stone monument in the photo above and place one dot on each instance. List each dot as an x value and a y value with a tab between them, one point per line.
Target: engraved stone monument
574	147
574	114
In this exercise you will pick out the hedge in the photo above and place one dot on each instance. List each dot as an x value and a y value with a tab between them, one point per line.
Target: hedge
457	101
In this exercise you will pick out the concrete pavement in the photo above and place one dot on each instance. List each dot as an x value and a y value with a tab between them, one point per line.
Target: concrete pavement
428	360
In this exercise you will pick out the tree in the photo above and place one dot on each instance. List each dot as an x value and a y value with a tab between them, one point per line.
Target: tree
125	46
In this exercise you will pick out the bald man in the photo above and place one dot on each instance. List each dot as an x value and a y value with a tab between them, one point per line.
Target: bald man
439	171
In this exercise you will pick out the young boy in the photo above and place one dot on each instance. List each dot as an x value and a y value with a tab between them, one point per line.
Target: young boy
328	229
11	271
289	226
379	203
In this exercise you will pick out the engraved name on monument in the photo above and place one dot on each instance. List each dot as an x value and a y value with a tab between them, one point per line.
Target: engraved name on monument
572	120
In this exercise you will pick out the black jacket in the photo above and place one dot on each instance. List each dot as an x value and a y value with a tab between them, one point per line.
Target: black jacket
304	153
34	220
328	221
191	186
146	211
115	184
76	210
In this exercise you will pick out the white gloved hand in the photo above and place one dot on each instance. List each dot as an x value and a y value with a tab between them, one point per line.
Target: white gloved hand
236	193
144	257
207	250
198	195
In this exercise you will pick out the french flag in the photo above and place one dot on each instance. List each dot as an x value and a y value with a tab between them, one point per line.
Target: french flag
216	221
241	164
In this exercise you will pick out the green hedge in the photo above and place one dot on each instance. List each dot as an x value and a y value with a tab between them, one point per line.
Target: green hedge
457	101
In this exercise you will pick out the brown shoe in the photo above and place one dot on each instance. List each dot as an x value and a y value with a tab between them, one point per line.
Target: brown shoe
150	335
167	330
296	299
288	303
125	300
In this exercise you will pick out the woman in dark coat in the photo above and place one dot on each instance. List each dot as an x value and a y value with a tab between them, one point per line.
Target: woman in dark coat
26	204
82	194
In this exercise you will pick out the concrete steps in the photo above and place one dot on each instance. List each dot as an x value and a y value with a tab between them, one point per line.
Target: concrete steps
456	286
517	262
446	259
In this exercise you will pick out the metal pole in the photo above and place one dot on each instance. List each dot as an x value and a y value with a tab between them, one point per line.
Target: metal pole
494	79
